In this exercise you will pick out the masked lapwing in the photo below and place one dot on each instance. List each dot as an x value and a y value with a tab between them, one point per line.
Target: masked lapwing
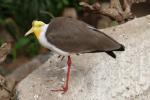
66	36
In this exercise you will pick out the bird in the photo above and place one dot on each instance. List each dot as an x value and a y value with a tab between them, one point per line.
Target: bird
66	36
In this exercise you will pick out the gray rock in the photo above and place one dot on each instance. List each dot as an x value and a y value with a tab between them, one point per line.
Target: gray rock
98	76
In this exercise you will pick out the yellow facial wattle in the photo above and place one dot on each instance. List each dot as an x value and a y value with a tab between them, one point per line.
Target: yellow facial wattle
37	31
36	28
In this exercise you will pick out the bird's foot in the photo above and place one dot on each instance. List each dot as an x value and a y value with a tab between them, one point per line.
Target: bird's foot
61	57
63	89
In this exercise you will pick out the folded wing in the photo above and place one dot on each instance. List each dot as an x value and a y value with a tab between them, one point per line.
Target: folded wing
75	36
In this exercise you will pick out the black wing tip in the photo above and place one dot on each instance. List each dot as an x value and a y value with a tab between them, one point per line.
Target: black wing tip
111	53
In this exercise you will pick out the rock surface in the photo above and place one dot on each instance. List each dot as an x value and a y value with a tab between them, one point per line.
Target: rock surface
98	76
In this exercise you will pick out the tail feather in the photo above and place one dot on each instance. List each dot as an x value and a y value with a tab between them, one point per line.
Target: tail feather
122	48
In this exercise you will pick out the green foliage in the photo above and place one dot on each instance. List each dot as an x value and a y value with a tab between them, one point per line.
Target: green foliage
24	12
19	45
28	45
114	23
32	48
17	15
1	41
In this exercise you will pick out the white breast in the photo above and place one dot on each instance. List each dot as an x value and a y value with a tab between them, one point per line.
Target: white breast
43	41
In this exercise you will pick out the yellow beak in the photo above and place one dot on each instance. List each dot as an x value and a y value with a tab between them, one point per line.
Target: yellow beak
29	32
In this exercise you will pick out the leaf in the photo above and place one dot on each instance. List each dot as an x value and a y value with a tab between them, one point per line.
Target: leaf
65	2
114	23
19	45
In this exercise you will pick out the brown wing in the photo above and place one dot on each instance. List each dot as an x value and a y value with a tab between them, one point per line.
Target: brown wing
75	36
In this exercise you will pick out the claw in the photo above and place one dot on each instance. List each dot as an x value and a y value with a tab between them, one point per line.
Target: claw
64	89
61	57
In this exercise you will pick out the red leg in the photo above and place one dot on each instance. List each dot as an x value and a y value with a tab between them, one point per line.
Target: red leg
65	87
